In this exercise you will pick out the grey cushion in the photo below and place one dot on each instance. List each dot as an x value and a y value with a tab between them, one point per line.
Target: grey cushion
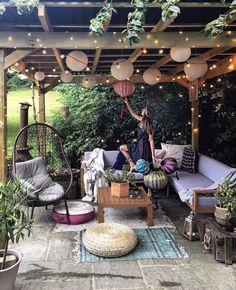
34	172
51	193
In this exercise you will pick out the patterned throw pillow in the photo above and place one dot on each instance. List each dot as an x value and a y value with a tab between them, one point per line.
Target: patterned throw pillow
189	161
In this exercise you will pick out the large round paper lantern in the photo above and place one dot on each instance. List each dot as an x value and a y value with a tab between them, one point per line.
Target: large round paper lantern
195	67
66	77
152	76
122	69
124	88
39	75
88	81
190	79
77	60
180	54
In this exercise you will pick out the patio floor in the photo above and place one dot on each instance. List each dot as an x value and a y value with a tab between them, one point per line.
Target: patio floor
48	262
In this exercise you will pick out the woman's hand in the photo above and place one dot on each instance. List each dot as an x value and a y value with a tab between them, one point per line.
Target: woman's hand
154	158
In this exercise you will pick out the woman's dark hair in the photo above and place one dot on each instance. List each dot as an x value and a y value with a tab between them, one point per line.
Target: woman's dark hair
147	121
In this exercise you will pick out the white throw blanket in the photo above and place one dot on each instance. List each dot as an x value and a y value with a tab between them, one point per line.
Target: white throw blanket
94	175
185	195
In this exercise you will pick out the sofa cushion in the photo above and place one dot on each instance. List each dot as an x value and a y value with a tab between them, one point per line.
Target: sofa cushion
212	168
109	157
187	180
175	151
189	160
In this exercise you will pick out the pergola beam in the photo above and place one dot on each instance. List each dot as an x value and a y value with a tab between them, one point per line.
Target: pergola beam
89	4
45	22
85	40
160	26
15	56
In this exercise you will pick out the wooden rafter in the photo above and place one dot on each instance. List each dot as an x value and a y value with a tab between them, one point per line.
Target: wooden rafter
121	4
45	22
98	51
15	56
160	26
83	40
206	55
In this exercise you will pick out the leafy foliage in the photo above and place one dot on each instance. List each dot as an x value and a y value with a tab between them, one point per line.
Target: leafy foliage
136	20
22	6
15	82
104	15
168	7
225	195
13	217
122	177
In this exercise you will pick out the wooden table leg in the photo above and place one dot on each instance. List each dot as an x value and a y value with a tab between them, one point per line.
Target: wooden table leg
150	215
100	214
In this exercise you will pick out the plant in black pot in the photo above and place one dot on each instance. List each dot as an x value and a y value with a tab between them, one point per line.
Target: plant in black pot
225	196
14	221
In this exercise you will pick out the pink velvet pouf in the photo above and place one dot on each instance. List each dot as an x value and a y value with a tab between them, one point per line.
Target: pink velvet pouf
80	212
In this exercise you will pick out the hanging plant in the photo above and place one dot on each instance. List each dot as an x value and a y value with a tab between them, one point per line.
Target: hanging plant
136	20
22	6
168	7
218	25
104	15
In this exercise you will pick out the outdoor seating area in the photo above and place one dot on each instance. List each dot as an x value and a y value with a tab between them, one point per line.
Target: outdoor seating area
117	144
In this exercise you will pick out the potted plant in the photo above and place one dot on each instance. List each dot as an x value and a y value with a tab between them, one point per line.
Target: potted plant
225	196
120	181
14	221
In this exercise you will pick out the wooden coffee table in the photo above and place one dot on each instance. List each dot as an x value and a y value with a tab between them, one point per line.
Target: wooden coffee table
105	200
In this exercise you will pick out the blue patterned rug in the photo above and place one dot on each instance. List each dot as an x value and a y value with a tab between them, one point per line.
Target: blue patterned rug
153	243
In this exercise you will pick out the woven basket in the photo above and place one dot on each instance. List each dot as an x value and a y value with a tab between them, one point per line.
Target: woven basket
109	240
221	215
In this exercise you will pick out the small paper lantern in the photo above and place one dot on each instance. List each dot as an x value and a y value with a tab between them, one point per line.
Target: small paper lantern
39	75
190	79
152	76
195	67
88	81
77	60
66	77
180	54
122	69
21	66
124	88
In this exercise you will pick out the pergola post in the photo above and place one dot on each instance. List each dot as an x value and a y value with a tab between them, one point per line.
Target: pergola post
3	118
41	91
193	97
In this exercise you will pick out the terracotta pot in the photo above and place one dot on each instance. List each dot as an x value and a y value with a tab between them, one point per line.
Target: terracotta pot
8	275
119	189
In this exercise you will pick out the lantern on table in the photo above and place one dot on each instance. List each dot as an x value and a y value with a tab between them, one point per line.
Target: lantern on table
124	89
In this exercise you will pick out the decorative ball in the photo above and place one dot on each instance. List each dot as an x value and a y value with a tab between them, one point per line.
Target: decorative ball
77	60
180	54
122	69
66	77
89	81
142	166
152	76
156	180
195	67
124	88
168	165
39	75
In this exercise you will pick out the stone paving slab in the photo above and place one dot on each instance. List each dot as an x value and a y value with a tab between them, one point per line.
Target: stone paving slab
117	275
60	249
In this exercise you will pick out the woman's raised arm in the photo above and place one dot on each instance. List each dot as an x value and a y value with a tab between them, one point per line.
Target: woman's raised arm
131	110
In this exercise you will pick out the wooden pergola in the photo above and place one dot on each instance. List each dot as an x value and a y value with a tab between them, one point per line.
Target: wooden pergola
43	39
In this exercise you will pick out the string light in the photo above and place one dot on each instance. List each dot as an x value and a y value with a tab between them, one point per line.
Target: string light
32	68
173	79
114	32
204	85
87	68
117	141
180	32
186	39
62	56
148	36
230	66
9	38
95	41
71	38
161	51
59	81
54	69
17	63
144	50
160	87
179	77
214	66
137	70
219	80
118	65
44	51
188	65
156	41
120	40
189	123
211	86
229	32
230	60
26	70
38	40
107	80
142	87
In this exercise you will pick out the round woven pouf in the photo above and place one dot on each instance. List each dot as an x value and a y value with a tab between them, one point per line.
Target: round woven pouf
109	240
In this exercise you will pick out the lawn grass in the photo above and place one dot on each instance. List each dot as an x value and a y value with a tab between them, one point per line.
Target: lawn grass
13	110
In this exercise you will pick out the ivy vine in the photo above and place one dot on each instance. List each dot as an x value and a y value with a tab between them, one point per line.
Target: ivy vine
218	25
104	15
22	6
168	7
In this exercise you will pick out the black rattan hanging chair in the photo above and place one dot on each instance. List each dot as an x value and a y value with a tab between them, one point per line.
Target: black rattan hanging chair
40	164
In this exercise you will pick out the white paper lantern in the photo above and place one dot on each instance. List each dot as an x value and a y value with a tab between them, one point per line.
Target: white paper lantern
180	54
39	75
152	76
21	66
122	69
88	81
195	67
66	77
190	78
77	60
